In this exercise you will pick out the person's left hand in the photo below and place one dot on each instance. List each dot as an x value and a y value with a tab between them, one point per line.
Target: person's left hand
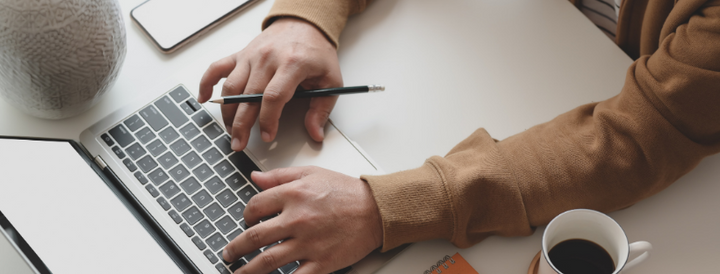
327	221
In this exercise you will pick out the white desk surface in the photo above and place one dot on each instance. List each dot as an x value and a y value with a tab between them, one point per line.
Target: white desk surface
449	67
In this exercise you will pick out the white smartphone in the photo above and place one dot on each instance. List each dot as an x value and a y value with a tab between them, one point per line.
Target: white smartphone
170	24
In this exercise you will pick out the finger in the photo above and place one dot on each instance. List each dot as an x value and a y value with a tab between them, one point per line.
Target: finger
278	92
266	203
274	258
243	120
317	116
217	70
254	238
246	113
275	177
233	85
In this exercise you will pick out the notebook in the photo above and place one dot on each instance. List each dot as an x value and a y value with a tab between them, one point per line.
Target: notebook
153	187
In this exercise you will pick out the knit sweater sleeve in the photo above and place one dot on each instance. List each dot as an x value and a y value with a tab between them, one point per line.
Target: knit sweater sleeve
604	156
329	16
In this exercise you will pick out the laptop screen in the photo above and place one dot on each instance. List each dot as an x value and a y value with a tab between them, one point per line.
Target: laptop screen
68	215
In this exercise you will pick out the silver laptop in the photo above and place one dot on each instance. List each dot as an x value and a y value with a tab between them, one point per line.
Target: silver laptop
152	188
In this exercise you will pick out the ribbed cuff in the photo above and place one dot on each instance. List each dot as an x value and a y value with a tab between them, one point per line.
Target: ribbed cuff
329	16
414	206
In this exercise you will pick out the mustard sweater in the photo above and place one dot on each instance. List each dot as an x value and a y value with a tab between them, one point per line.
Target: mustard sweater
603	156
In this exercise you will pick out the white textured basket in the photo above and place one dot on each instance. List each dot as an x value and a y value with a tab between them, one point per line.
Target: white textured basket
58	57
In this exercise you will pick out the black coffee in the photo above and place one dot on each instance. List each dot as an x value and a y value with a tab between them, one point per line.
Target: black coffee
577	256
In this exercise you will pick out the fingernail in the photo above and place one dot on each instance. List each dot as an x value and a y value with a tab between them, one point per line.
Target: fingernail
266	136
225	255
235	144
321	132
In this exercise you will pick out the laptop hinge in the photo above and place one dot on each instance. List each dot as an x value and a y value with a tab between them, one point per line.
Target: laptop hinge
100	162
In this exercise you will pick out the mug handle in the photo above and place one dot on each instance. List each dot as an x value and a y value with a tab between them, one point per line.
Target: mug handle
640	249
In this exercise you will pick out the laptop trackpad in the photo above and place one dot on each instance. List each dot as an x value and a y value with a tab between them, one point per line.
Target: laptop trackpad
69	216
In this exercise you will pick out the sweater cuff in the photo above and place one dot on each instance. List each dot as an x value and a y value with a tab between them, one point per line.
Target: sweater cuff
329	16
413	206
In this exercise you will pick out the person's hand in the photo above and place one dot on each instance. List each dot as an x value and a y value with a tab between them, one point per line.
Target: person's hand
289	53
327	220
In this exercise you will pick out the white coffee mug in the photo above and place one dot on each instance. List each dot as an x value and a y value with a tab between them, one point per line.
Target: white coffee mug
596	227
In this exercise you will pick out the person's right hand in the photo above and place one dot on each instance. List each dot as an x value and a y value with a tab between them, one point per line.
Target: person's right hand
289	53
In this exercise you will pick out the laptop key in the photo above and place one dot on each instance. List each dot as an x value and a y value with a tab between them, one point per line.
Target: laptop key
186	228
121	135
180	147
186	108
158	176
194	104
119	152
238	264
134	122
214	211
289	268
156	147
164	203
204	228
208	253
179	94
234	234
221	268
236	211
246	193
202	118
171	111
146	164
224	169
214	185
153	118
192	215
223	143
236	181
135	151
129	164
191	159
190	186
243	163
201	245
152	190
201	143
169	189
145	135
225	224
213	131
202	198
181	202
175	216
212	156
167	160
179	173
189	131
140	177
106	138
169	135
202	172
216	242
252	255
226	198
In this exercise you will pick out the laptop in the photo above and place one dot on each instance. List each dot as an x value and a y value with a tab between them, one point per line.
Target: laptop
152	188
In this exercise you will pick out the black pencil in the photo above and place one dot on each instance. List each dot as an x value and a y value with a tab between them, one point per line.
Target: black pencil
244	98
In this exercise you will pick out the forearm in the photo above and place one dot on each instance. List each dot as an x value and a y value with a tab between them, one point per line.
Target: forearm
603	156
329	16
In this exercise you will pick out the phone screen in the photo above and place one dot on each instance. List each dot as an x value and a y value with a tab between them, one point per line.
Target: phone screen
171	23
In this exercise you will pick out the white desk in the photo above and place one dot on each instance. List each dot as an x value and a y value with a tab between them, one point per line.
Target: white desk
450	67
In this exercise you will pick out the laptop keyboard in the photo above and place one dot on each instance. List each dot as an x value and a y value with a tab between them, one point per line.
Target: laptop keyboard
183	159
